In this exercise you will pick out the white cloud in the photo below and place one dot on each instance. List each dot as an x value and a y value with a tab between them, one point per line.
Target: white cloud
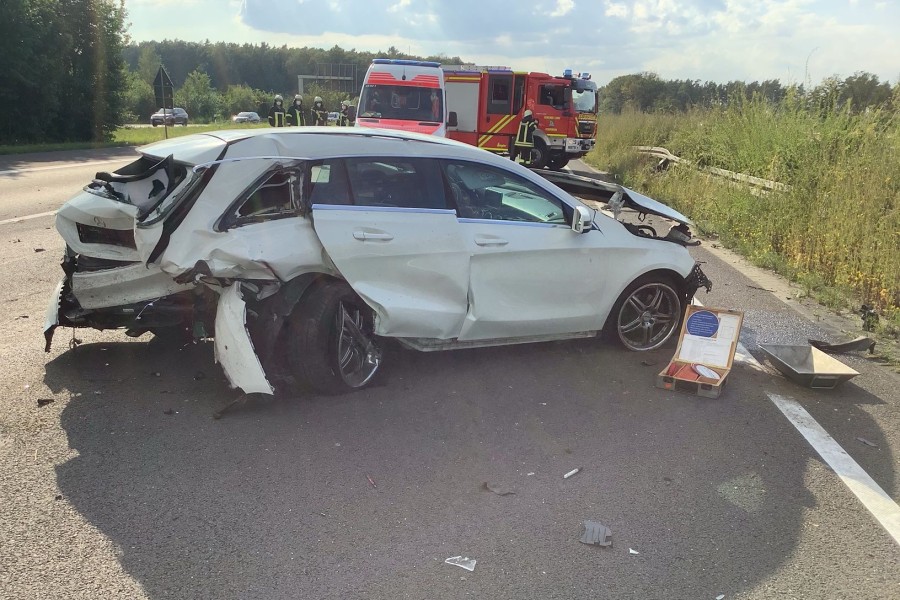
563	7
615	9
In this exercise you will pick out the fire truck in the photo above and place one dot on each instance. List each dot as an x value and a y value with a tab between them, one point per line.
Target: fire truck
486	104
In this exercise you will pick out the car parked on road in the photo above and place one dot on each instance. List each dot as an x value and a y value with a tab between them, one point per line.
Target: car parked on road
301	250
169	116
246	117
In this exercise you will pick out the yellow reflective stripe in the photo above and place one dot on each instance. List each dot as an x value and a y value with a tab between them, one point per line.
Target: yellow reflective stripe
503	122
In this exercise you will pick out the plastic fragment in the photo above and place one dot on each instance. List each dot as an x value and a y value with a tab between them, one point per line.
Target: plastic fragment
596	534
44	402
866	442
574	471
462	561
720	597
372	481
499	490
633	551
169	411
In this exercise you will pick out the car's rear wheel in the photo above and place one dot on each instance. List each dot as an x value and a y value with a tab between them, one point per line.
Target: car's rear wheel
332	337
647	314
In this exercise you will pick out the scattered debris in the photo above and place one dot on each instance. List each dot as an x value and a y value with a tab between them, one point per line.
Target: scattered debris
859	439
241	399
596	534
633	551
169	411
26	386
39	250
860	343
529	474
44	402
753	287
648	363
22	317
155	374
97	393
500	491
199	375
574	471
869	317
462	561
372	481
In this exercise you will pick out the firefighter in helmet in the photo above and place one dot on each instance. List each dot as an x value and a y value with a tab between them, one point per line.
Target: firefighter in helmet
319	114
295	114
348	114
524	143
276	112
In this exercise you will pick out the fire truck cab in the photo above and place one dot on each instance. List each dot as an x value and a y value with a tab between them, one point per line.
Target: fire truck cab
403	94
486	104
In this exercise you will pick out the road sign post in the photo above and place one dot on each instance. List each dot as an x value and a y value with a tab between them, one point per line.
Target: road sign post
165	95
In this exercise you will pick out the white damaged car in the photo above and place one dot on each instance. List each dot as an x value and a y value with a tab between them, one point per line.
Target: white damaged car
299	250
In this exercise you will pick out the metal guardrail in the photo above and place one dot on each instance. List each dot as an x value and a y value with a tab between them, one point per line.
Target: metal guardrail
665	157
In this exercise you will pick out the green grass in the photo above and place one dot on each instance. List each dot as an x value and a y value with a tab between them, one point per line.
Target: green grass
837	232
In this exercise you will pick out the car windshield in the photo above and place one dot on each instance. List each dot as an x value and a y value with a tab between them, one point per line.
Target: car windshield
245	114
584	97
402	102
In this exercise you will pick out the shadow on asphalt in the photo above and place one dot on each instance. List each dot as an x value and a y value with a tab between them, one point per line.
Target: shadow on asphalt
273	501
13	162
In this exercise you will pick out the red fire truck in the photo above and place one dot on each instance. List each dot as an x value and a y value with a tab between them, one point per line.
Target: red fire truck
485	106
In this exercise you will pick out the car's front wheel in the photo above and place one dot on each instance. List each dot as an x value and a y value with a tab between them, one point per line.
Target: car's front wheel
647	314
332	338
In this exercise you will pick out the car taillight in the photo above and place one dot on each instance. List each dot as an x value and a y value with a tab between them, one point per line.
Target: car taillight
89	234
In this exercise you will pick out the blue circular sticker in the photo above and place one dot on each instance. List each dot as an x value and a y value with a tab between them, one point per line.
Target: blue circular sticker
703	323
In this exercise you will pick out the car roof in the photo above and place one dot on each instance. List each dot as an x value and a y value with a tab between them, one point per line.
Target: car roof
314	143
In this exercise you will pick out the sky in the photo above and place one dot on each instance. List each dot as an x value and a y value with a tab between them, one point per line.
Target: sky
794	41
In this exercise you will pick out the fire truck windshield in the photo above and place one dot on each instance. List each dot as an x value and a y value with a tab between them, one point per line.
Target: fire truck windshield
402	102
585	100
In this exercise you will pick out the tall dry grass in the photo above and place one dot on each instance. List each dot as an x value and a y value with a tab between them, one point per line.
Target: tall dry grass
837	231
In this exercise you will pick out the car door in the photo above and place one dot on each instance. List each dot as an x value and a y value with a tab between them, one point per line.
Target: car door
385	225
529	274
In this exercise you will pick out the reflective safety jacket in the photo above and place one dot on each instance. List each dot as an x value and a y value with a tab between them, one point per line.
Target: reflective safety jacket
525	135
348	116
295	115
320	115
277	116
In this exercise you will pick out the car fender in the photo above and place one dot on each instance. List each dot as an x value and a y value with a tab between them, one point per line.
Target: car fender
233	347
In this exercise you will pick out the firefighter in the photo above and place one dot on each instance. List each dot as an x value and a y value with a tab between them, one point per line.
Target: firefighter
348	114
276	113
319	114
525	138
295	114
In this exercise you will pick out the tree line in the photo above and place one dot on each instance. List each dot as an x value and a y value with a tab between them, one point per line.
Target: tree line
647	92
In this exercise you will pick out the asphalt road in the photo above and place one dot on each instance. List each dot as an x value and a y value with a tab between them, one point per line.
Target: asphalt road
124	486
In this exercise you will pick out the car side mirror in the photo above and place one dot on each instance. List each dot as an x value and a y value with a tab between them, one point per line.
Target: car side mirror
452	120
581	220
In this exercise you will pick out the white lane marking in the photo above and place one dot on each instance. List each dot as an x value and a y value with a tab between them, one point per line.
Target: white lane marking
66	166
863	487
875	499
27	217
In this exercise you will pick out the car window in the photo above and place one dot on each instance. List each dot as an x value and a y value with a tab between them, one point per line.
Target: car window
328	183
483	192
272	197
395	182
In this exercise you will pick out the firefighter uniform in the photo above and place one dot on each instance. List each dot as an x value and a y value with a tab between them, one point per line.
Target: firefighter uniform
348	115
295	114
277	116
319	114
525	138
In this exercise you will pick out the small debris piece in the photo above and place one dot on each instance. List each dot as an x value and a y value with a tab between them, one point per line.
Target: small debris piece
500	491
199	375
575	471
648	363
596	534
156	374
754	287
859	439
529	474
860	343
169	411
462	561
44	402
58	497
720	597
372	481
23	316
38	249
633	551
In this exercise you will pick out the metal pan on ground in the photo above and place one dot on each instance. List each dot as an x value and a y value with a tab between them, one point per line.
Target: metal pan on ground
808	366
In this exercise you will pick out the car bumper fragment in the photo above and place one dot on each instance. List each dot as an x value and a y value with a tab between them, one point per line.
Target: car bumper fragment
697	279
51	319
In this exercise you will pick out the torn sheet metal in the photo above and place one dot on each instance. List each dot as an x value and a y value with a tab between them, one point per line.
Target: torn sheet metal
857	344
234	349
596	534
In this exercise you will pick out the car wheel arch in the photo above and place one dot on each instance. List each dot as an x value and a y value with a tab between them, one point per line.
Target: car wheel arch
662	275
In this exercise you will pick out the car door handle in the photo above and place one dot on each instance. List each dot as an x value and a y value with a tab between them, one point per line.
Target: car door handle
490	241
366	236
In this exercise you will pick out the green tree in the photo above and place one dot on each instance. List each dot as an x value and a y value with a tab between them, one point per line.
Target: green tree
138	98
198	97
148	63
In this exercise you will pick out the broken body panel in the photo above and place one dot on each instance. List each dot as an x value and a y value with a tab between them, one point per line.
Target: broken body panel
435	280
